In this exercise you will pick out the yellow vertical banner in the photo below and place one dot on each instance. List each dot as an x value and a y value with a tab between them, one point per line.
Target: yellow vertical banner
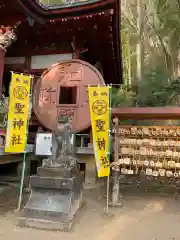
19	100
99	102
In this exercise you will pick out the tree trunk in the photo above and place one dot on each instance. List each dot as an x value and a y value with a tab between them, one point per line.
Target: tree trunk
139	46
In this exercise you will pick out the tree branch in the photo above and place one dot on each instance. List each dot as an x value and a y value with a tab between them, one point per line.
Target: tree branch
130	19
178	3
167	56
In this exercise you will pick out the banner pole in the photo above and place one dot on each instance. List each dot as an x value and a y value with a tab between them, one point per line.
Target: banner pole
109	150
107	202
25	153
22	181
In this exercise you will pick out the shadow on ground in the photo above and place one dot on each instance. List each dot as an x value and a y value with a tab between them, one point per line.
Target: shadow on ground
151	211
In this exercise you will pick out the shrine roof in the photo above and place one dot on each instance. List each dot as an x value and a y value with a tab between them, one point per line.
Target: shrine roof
96	22
16	10
56	4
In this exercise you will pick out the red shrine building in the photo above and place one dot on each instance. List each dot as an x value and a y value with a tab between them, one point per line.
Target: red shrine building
36	34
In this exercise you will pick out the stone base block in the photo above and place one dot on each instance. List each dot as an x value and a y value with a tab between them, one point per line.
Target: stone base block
57	172
53	203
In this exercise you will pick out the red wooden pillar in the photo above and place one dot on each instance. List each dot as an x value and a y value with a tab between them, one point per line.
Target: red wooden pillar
2	54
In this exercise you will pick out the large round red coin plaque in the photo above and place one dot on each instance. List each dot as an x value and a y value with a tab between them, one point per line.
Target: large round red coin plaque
62	90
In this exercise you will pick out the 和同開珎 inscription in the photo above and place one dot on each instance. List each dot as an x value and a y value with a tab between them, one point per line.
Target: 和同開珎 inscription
70	79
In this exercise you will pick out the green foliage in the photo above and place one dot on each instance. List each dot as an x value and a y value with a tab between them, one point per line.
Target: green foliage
160	83
160	35
122	97
172	93
152	91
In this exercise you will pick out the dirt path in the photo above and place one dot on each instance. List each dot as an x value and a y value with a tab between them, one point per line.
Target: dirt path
143	217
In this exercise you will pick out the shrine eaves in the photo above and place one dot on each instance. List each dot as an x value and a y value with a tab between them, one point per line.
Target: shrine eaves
64	3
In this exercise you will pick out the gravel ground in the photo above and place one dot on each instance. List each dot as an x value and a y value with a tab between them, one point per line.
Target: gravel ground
146	215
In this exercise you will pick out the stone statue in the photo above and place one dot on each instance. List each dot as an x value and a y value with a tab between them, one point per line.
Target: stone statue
62	146
57	188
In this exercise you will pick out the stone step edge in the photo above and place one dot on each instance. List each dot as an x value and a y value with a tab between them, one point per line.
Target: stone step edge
44	224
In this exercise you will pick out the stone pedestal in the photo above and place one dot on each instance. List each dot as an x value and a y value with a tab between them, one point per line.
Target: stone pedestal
56	196
57	172
2	54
